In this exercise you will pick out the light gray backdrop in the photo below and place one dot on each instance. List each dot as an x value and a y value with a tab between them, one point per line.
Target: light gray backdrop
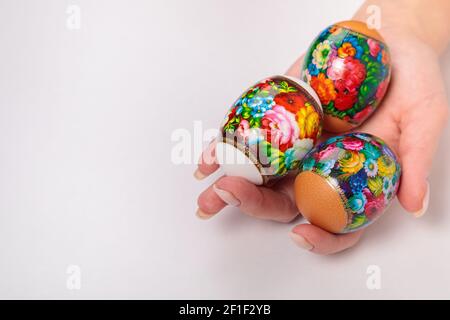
87	109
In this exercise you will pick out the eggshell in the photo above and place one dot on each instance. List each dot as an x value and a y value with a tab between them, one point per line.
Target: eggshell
348	65
347	182
269	129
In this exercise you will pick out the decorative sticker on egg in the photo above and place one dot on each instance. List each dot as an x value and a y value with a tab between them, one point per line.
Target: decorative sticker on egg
363	170
275	123
349	70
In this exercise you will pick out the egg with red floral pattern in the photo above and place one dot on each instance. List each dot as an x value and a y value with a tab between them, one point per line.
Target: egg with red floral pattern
348	65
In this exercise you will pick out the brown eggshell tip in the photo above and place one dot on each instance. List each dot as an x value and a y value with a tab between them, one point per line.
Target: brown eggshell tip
362	28
319	202
336	125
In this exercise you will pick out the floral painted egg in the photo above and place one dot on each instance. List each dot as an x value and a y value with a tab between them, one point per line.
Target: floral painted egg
269	129
347	182
348	65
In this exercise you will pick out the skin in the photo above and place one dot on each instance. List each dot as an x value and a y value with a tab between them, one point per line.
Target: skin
411	120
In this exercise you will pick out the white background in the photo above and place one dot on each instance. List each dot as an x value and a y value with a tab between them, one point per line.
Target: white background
86	176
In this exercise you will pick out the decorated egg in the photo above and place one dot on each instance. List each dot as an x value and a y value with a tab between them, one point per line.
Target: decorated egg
347	182
348	65
269	129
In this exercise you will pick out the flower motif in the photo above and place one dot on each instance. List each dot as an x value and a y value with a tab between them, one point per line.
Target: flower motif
370	151
230	118
324	167
388	189
358	181
351	161
324	88
251	136
363	114
328	153
357	202
298	151
381	90
371	168
346	50
347	73
308	122
308	163
374	206
386	166
312	68
374	47
351	143
375	185
387	185
292	102
322	54
353	41
345	99
281	128
259	104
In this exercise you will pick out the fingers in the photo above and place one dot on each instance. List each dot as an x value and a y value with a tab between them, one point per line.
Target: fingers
314	239
259	202
207	164
421	129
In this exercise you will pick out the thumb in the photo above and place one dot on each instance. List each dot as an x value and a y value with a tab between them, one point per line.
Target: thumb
421	128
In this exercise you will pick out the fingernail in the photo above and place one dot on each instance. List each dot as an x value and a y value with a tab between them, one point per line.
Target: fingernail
300	241
425	203
199	175
203	215
227	197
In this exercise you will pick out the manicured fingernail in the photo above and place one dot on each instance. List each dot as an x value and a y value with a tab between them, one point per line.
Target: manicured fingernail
199	175
425	203
300	241
227	197
203	215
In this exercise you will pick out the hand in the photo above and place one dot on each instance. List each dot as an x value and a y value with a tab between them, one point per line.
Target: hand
410	119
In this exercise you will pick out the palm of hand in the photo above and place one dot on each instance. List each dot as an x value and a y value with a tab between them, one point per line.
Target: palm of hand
412	116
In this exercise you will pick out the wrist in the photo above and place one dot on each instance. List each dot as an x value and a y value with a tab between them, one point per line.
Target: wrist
426	22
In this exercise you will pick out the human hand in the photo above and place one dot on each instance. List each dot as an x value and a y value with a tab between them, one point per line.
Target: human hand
410	119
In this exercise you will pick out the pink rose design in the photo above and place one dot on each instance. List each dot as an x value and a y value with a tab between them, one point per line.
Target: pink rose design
352	144
374	205
327	152
347	74
244	128
281	128
374	47
381	90
363	114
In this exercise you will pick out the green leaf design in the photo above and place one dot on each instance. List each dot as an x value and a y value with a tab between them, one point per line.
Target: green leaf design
294	165
330	109
255	123
358	221
279	163
285	88
246	112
